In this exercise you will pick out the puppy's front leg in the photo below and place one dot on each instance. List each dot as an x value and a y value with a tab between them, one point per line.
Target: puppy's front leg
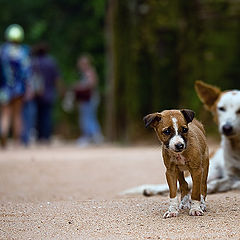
172	183
185	198
195	209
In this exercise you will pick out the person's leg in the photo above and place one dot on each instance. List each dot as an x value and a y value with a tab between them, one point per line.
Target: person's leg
47	121
5	123
94	125
33	112
17	118
40	120
84	121
25	123
28	116
44	120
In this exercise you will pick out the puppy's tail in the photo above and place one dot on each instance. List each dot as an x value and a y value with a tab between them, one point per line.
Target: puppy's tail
147	190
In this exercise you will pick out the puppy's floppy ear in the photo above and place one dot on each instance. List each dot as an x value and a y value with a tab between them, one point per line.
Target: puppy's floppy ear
152	119
208	94
188	115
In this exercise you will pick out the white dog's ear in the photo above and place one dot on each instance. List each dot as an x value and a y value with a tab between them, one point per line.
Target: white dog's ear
208	94
188	115
152	119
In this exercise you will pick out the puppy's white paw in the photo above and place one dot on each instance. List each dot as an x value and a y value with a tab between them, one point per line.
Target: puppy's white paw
170	214
203	207
196	209
173	208
196	212
185	203
203	204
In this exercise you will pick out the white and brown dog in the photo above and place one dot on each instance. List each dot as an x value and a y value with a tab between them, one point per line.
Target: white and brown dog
183	148
224	169
224	172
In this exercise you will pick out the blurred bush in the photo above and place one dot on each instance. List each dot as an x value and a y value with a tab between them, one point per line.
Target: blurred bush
161	48
154	50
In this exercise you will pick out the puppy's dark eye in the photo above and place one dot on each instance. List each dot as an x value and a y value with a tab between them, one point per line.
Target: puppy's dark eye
222	109
184	129
167	131
238	111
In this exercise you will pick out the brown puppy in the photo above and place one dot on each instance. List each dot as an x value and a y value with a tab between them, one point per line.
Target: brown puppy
183	148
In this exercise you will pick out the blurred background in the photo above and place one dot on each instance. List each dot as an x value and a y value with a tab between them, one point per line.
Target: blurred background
146	55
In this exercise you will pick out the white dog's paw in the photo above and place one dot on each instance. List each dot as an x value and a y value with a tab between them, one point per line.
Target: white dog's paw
203	204
185	203
170	214
195	209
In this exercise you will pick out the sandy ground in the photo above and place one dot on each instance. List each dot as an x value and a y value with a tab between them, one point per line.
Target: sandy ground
65	192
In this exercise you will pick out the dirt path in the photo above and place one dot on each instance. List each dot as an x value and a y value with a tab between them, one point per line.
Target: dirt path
65	192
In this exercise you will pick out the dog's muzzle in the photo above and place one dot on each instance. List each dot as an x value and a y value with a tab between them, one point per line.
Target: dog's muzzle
227	129
177	143
179	147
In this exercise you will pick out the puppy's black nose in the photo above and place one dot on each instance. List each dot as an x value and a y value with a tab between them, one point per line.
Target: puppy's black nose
227	129
179	146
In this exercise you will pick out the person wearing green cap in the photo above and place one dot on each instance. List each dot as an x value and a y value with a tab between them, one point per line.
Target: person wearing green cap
15	71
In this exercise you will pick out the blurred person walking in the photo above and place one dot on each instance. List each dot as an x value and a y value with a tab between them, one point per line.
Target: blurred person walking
88	97
15	70
29	113
45	78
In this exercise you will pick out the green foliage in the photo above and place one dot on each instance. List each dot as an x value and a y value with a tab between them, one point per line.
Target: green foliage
168	45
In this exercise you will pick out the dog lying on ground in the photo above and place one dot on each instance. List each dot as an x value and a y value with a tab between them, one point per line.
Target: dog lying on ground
183	148
224	167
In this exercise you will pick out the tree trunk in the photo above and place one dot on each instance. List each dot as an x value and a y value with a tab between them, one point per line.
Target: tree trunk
110	78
